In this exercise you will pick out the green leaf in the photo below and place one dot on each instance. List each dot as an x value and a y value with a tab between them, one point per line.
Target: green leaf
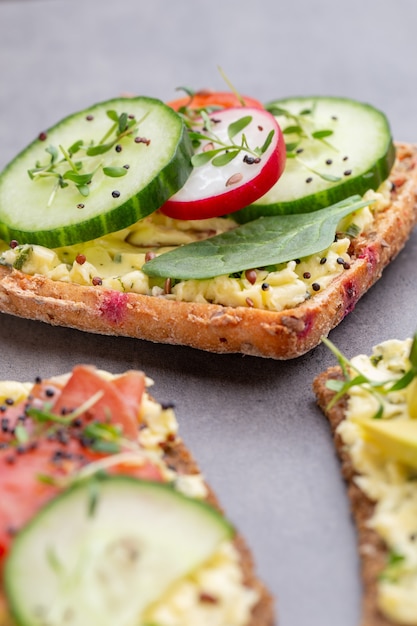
290	130
265	241
267	143
53	152
201	158
75	147
113	116
196	136
404	381
225	158
99	149
236	127
114	172
78	179
123	122
84	190
321	134
278	111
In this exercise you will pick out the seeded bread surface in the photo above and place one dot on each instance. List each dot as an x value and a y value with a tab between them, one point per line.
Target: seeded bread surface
221	329
372	549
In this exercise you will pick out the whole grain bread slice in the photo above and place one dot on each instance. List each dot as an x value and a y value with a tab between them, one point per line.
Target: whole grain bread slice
176	456
371	548
263	613
222	329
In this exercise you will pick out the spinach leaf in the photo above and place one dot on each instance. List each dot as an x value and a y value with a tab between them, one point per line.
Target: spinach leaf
264	241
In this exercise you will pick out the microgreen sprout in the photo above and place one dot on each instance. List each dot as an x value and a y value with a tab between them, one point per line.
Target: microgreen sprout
226	152
65	170
353	377
299	127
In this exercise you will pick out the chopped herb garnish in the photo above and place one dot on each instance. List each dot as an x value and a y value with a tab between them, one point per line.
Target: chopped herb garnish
353	377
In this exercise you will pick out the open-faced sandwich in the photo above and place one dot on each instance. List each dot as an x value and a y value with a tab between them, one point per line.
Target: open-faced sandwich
371	402
105	517
215	222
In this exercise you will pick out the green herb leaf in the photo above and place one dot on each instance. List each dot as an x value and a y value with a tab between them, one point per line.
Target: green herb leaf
201	158
290	130
278	111
78	179
75	147
123	122
322	134
225	158
22	257
99	149
265	241
114	172
236	127
53	152
113	116
267	143
84	190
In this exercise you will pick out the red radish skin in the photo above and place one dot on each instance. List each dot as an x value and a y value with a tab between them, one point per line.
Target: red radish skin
205	99
213	191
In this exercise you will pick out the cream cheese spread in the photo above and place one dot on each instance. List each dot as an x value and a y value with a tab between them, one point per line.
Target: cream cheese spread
386	480
213	595
115	262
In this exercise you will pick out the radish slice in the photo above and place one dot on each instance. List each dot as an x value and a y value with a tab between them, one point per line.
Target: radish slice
222	184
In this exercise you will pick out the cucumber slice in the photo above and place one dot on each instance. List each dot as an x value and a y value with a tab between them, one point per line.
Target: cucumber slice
336	148
103	550
143	157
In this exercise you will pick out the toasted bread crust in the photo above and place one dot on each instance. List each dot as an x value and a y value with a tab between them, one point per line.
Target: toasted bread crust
215	328
263	613
178	457
372	550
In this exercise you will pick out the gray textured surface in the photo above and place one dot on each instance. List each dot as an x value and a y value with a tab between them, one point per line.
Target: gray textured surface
252	423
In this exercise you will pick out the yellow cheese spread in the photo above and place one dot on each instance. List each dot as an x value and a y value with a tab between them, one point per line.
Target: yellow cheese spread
215	594
383	451
115	262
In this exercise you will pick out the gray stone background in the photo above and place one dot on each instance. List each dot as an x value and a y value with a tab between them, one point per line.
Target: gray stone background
252	423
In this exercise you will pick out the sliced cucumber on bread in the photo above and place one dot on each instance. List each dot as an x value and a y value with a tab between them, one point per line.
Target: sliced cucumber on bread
102	551
336	147
97	171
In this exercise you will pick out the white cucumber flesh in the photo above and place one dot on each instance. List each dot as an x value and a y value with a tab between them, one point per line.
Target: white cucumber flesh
336	147
102	551
139	171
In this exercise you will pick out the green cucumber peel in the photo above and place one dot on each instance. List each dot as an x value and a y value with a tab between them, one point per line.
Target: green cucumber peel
336	148
95	172
262	242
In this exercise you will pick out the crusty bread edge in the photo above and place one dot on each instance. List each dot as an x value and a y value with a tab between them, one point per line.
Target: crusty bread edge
371	548
263	614
179	457
278	335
